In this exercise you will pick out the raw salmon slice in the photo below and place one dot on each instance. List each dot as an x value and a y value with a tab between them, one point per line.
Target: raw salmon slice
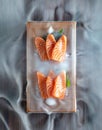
50	43
42	84
59	50
41	48
59	86
50	83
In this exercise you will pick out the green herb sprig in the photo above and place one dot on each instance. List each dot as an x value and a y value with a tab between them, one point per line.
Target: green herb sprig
68	82
58	34
61	31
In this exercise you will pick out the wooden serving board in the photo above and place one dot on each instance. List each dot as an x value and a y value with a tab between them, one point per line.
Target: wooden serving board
34	101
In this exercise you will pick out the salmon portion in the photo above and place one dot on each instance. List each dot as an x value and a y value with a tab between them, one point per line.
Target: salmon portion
50	43
50	83
42	84
50	49
59	51
59	86
41	48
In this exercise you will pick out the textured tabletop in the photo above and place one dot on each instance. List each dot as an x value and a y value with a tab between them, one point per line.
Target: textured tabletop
14	15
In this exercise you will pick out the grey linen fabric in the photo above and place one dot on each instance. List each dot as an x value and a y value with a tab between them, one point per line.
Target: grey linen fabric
14	15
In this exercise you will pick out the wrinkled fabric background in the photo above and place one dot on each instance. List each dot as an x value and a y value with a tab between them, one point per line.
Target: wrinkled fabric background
13	17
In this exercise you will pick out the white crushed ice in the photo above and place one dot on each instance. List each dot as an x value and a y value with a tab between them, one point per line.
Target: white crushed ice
50	30
51	102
